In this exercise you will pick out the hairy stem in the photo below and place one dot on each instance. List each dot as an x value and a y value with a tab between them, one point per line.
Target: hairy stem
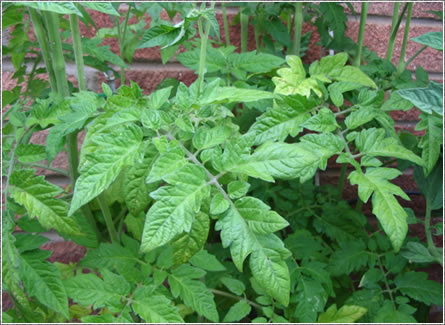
226	24
39	31
229	295
298	19
394	29
108	218
78	52
402	65
244	21
361	33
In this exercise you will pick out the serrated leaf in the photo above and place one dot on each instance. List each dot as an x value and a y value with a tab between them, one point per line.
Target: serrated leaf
417	286
323	121
388	314
385	206
337	89
104	318
28	242
159	97
428	100
417	253
135	190
237	189
432	140
362	116
64	8
187	244
255	62
207	261
157	309
42	280
195	294
283	120
396	102
329	64
169	161
115	150
431	39
158	35
346	314
350	257
208	137
353	74
104	7
38	197
311	299
237	312
176	206
29	153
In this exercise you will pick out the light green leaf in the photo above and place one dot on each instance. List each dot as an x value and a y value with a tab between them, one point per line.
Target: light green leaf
207	261
28	242
104	318
323	121
234	285
362	116
237	189
431	39
109	255
42	280
218	204
64	8
208	137
136	191
159	35
346	314
432	140
396	102
353	74
337	89
417	286
168	162
159	97
417	253
235	95
104	7
195	294
328	64
237	312
428	100
255	62
29	153
176	206
157	309
115	150
385	206
38	197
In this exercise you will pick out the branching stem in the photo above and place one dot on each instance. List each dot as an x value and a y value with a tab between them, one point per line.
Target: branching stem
229	295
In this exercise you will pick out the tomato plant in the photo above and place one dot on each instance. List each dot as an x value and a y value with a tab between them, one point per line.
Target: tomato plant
202	203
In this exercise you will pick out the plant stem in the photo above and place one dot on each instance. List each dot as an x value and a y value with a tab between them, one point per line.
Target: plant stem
341	180
386	282
244	21
229	295
54	169
402	65
359	205
108	218
43	43
298	19
226	24
361	33
423	48
203	53
78	52
394	29
429	236
122	43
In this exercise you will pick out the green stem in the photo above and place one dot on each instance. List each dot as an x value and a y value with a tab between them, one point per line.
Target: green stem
257	38
122	43
244	21
229	295
108	218
394	29
359	205
298	19
361	33
54	169
401	66
226	25
78	52
341	181
423	48
429	236
39	31
203	52
386	282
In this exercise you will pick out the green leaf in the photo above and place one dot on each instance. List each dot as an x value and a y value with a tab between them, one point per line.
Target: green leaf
396	102
102	53
187	244
38	197
428	100
282	120
104	318
237	189
237	312
311	299
176	206
353	74
431	39
29	153
385	206
346	314
432	140
234	285
157	309
323	121
362	116
388	314
255	62
236	95
104	7
329	64
115	150
42	280
194	293
417	253
337	89
28	242
64	8
351	256
218	204
159	97
431	187
136	191
207	261
208	137
417	286
158	35
168	162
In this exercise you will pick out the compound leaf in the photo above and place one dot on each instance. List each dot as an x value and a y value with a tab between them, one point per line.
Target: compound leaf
417	286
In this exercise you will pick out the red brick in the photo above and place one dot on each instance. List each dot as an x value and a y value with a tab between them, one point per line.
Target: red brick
65	251
411	115
420	9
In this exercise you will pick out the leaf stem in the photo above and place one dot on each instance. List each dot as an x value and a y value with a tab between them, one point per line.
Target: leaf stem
402	65
78	52
226	24
229	295
108	218
423	48
386	282
361	33
298	19
54	169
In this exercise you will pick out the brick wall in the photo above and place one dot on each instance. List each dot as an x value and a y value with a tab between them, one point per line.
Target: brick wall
148	71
